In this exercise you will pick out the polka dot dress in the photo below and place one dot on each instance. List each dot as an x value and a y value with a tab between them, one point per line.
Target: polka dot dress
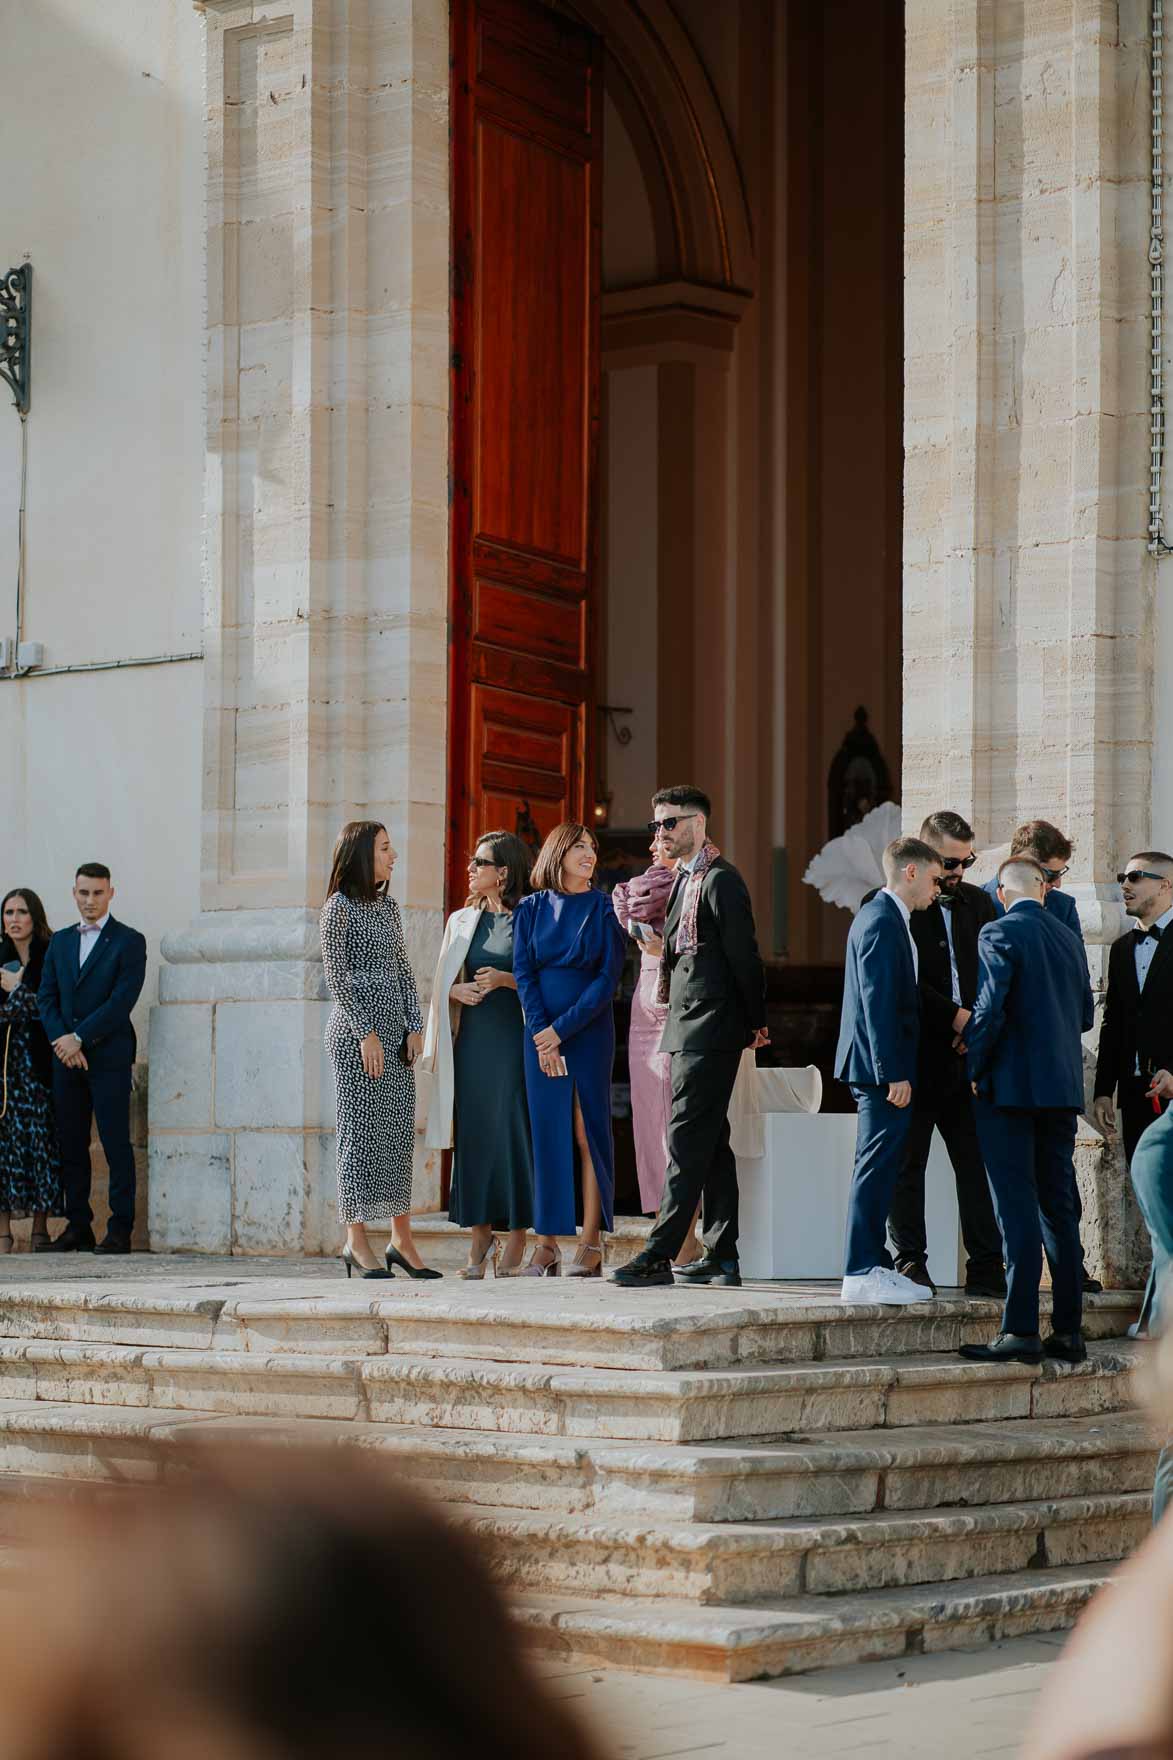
371	982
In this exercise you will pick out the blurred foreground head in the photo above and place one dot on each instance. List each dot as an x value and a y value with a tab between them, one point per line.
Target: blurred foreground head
272	1605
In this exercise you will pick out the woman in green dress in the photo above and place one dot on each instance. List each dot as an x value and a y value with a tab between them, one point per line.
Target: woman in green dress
474	1054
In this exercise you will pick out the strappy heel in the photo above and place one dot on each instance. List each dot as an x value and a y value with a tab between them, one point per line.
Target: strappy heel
476	1270
550	1269
352	1264
581	1267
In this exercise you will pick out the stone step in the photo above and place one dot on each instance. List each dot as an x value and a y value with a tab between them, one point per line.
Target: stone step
791	1637
445	1245
833	1474
664	1406
738	1563
542	1320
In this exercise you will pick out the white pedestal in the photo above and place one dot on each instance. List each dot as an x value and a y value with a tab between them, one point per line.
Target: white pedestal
794	1200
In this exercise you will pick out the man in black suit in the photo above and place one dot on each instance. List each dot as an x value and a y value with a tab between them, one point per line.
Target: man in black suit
92	978
1136	1034
946	936
716	1008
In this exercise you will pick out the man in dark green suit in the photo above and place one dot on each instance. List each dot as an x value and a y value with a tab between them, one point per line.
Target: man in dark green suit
716	995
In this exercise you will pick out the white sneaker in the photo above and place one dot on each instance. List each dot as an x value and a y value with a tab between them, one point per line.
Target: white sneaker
883	1285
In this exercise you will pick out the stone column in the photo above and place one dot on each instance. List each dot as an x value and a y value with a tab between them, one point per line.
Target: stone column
1028	592
326	586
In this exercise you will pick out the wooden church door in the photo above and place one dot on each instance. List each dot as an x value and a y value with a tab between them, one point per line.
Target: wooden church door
526	185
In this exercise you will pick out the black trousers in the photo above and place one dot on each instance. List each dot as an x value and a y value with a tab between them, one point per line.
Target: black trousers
80	1097
701	1163
952	1114
1136	1113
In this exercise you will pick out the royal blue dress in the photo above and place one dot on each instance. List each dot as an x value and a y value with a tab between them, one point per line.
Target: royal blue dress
568	953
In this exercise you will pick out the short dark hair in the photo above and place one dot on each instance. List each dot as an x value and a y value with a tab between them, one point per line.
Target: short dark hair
92	871
1152	855
904	850
946	824
1040	839
547	874
516	857
352	871
684	795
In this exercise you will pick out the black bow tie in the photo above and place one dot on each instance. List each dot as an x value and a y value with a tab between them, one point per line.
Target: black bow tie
1153	934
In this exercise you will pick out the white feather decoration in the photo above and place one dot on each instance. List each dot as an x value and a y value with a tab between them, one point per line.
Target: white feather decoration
846	869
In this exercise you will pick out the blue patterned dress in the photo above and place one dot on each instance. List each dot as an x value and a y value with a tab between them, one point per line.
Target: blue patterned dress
30	1160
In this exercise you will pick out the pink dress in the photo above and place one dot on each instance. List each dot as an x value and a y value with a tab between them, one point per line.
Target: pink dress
649	1067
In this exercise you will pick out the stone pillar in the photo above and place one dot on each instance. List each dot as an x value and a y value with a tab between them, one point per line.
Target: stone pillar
326	586
1028	591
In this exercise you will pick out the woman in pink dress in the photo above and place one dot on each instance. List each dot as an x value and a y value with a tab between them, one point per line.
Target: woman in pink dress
641	905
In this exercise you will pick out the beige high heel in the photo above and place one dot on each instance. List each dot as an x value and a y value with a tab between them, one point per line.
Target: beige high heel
476	1270
550	1269
579	1267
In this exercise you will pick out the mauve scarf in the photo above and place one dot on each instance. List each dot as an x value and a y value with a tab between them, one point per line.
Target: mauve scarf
644	899
686	934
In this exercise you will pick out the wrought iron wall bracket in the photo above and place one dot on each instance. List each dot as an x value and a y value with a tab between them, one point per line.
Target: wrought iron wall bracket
16	292
609	711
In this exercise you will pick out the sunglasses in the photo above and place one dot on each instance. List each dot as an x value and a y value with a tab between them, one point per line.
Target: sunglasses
950	863
482	862
1135	874
655	826
1053	875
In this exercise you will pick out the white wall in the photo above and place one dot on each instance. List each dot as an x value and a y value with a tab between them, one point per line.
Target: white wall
1162	827
103	110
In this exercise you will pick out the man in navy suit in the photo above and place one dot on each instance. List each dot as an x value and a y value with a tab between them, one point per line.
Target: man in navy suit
879	1036
1026	1063
92	978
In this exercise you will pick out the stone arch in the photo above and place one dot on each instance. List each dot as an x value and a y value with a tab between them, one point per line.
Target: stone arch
689	156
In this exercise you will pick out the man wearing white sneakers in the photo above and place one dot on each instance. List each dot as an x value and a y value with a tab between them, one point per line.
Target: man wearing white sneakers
879	1035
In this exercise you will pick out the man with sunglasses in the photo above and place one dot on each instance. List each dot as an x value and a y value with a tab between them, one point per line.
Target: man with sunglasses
1136	1036
714	983
946	936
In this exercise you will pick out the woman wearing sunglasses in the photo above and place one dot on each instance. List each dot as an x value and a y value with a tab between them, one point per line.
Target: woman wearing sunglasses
568	953
474	1053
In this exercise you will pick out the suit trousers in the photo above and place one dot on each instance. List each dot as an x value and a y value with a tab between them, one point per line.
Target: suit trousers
80	1098
701	1162
952	1114
881	1146
1029	1161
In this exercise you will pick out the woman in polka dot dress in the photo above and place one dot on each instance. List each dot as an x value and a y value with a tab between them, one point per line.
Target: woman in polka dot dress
374	1036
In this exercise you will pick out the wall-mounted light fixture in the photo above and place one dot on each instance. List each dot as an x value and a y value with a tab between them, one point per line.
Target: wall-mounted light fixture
16	292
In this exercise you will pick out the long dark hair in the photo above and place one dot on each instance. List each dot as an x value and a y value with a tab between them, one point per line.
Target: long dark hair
547	874
516	857
41	930
352	870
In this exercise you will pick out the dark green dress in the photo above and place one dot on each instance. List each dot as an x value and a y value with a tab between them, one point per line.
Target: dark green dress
492	1163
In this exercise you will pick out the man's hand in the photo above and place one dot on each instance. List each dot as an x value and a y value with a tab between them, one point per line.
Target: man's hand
1104	1115
899	1093
760	1038
545	1042
961	1020
1161	1086
68	1049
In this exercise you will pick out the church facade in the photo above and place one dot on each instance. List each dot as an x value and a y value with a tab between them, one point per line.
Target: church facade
480	412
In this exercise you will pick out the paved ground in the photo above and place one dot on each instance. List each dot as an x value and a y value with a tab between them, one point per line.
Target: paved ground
971	1705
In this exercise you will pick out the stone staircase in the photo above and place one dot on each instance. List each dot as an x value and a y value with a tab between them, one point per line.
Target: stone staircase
718	1482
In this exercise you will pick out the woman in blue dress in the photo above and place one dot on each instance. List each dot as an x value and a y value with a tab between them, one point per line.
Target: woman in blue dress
568	952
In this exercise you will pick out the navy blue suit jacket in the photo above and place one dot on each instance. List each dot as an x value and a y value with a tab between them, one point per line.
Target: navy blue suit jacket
879	1030
1060	903
1034	1001
95	1000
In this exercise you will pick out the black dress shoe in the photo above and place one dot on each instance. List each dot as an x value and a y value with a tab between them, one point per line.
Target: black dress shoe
1092	1286
707	1269
1005	1347
72	1240
916	1273
645	1271
1066	1347
114	1243
986	1288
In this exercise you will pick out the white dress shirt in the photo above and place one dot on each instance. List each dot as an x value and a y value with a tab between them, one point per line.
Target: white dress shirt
89	938
907	915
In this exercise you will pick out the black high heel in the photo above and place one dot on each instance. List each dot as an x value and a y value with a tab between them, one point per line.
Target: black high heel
352	1264
395	1257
